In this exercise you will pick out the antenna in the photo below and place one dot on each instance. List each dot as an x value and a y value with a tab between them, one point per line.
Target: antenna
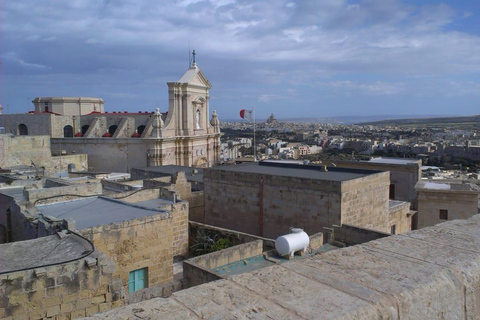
189	57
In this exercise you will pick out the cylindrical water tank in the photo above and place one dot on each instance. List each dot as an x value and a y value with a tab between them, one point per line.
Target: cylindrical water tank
292	242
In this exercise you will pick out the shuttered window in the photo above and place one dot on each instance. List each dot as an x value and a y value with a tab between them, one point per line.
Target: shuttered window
137	280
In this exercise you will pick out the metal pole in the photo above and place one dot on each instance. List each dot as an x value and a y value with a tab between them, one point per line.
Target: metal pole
254	143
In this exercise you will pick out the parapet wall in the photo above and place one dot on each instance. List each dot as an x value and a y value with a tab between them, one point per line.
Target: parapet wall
64	193
431	273
199	270
65	291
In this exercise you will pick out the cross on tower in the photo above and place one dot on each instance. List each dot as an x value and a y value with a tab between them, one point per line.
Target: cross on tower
193	54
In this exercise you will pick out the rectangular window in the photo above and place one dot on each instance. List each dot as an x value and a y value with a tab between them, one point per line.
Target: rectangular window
392	192
443	214
46	107
393	229
137	280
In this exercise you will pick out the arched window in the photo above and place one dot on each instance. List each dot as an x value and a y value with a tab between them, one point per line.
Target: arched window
22	130
85	128
68	131
112	129
140	129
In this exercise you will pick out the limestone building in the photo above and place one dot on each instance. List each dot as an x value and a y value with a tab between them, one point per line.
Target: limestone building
266	199
404	175
442	201
118	141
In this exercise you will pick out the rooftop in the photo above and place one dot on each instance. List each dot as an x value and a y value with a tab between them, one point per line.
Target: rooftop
170	170
445	186
394	161
96	211
424	274
298	171
42	251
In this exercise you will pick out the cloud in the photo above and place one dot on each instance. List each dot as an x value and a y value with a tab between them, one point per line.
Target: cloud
12	57
373	48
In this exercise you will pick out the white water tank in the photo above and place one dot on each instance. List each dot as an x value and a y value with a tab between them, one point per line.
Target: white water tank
287	244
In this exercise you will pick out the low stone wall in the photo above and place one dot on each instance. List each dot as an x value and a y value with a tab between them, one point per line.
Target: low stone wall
432	273
351	235
52	183
163	291
66	291
60	163
86	189
316	241
199	270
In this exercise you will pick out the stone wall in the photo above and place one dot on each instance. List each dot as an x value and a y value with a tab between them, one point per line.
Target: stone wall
402	176
460	205
162	291
424	274
66	291
365	202
21	228
139	243
198	270
196	205
23	150
106	154
60	163
400	216
37	124
268	206
349	235
84	189
180	229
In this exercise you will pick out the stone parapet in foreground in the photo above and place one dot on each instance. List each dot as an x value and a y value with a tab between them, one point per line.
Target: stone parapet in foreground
433	273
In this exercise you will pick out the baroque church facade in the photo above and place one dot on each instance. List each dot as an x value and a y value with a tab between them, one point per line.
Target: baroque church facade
119	141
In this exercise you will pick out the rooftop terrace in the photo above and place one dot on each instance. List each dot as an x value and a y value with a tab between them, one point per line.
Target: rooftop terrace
96	211
298	171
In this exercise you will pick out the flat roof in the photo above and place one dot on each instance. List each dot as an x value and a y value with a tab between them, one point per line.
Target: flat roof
446	186
41	251
170	170
298	171
96	211
393	160
15	192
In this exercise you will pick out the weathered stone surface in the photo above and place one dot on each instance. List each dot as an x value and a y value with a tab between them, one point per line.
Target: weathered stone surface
427	274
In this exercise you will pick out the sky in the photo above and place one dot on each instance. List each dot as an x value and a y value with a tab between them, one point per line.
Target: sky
295	59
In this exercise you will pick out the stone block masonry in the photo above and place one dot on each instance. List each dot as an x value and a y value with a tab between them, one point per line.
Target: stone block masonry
268	205
425	274
135	244
67	291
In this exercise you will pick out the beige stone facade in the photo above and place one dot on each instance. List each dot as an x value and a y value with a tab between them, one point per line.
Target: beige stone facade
425	274
68	106
66	291
269	203
442	201
36	151
404	175
119	141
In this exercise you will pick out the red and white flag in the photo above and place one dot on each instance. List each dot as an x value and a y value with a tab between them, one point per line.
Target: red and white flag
246	114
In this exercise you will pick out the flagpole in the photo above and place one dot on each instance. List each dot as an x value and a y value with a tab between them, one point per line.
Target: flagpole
254	143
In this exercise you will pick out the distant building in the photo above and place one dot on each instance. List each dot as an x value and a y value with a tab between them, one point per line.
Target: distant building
442	201
272	119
